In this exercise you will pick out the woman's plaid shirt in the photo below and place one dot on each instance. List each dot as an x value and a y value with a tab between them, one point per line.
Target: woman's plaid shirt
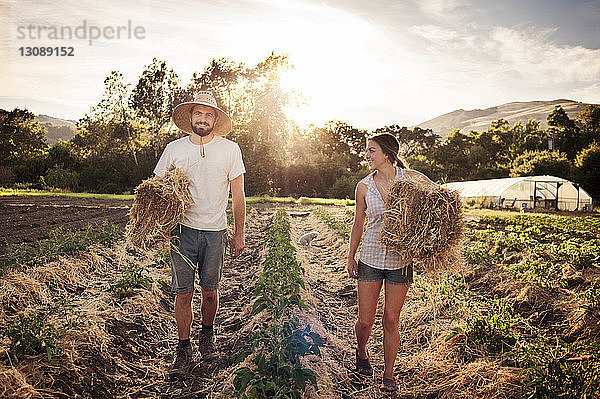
372	252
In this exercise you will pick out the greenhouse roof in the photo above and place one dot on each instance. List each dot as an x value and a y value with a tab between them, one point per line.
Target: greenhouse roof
495	187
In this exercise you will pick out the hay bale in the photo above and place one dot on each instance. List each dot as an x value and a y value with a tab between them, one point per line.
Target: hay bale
424	223
159	205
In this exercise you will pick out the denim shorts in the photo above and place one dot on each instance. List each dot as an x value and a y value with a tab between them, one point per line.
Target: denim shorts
198	250
398	276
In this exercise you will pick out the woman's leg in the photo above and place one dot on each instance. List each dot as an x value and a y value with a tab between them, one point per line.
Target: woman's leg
394	300
368	295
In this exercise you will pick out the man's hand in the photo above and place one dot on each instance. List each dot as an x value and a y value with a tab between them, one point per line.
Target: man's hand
237	244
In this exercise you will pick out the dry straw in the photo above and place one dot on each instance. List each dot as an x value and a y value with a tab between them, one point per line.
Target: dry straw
159	205
424	223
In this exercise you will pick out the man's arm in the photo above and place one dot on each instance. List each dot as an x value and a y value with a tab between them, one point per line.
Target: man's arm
238	205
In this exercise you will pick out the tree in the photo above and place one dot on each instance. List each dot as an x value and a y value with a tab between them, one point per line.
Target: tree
110	126
564	132
588	169
64	155
452	156
223	77
589	122
551	163
21	137
414	141
153	100
533	138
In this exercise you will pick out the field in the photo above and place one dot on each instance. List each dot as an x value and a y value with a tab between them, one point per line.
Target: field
81	317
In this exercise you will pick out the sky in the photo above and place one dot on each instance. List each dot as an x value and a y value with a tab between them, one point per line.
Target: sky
367	63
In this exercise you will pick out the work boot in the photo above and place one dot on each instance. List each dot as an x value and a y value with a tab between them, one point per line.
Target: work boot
206	344
183	363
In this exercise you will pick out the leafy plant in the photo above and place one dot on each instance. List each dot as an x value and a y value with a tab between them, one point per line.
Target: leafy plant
133	279
479	253
281	341
563	370
339	226
591	296
278	372
489	326
30	335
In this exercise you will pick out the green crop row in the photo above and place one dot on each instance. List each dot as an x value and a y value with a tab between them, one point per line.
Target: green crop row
554	368
587	224
280	341
543	251
341	228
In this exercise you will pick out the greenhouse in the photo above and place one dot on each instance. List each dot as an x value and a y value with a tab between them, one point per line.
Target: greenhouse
518	192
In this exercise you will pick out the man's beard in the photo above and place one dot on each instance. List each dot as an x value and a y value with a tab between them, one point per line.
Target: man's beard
202	131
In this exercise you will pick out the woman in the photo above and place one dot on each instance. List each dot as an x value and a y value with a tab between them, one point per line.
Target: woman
376	263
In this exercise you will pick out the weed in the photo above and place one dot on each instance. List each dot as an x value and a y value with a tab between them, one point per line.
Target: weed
490	327
133	279
562	370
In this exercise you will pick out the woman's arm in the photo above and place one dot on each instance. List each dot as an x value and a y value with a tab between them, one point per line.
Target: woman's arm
357	228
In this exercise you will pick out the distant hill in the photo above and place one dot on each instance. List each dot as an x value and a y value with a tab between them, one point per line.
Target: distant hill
479	119
58	129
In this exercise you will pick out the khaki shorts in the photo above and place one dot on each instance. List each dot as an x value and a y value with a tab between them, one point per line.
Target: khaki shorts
198	250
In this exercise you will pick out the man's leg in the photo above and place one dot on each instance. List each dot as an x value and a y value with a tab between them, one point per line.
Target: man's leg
184	314
210	304
211	271
183	265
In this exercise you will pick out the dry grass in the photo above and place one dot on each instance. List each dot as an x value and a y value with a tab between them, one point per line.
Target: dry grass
14	385
88	346
159	205
424	223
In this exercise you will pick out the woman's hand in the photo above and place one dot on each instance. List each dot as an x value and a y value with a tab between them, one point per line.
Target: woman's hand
352	268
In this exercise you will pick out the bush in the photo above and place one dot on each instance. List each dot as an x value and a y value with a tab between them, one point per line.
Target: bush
552	163
59	177
588	169
111	188
7	176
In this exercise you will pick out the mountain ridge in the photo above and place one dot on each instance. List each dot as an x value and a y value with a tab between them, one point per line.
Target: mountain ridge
480	119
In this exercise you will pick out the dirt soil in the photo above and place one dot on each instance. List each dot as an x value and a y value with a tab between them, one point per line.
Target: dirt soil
27	219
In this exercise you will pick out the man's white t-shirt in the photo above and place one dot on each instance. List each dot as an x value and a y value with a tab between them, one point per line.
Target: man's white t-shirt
210	177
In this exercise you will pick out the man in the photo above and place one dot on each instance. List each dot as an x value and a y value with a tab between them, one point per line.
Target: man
213	164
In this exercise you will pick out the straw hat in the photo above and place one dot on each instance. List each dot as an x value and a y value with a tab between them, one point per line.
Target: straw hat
181	114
